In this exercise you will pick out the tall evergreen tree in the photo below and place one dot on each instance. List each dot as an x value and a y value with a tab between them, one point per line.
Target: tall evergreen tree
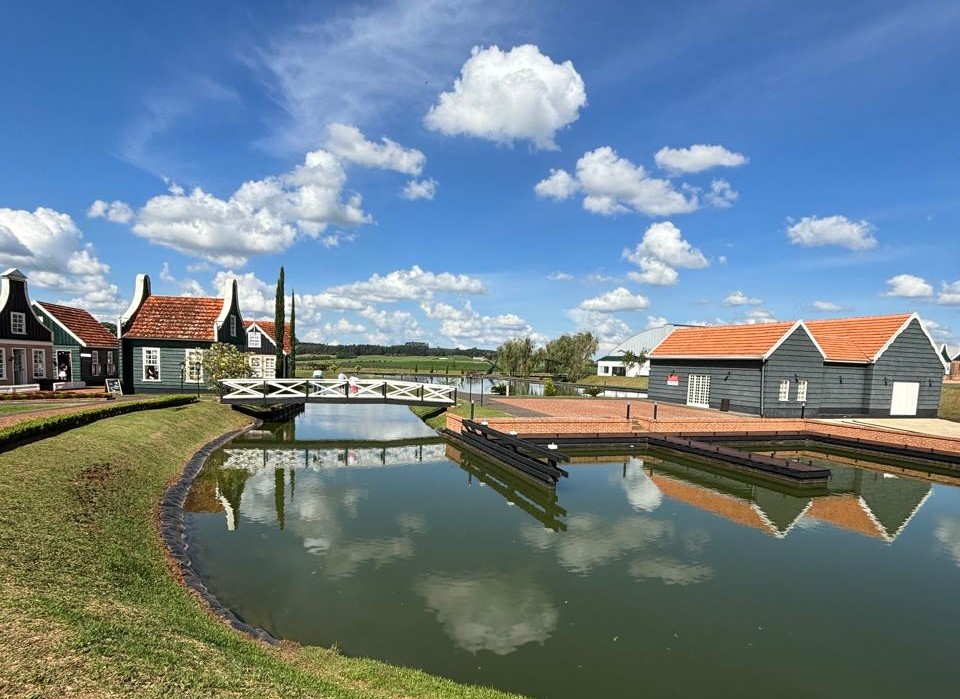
279	321
293	333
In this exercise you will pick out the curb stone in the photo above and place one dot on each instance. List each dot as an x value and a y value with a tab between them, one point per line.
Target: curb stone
174	534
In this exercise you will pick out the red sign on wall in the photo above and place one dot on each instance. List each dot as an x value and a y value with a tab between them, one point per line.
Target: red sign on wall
673	380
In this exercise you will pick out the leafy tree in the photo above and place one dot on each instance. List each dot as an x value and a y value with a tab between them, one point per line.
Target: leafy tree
280	320
631	360
224	361
515	357
570	355
110	327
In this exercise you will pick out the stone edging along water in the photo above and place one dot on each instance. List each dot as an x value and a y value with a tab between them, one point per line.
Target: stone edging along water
174	535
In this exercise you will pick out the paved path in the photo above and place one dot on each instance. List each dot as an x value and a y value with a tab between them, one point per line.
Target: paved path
52	407
932	427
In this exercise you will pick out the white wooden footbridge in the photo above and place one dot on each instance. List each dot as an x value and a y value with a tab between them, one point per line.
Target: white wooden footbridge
280	391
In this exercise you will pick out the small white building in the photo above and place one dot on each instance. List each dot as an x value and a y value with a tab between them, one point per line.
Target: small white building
641	343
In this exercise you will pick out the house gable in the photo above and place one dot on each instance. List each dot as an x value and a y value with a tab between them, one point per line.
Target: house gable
15	299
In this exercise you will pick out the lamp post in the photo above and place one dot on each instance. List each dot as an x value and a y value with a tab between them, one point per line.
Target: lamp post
183	369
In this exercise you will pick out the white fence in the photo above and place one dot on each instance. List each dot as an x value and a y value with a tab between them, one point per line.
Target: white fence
272	391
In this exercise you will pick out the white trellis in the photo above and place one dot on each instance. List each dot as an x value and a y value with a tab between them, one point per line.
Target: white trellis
272	391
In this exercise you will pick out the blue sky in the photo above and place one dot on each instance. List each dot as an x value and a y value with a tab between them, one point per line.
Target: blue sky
464	172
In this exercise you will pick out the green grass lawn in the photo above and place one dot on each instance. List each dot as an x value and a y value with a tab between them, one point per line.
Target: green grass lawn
950	402
88	606
12	407
615	381
462	408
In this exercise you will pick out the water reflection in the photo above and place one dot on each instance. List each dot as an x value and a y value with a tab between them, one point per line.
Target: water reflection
948	534
498	613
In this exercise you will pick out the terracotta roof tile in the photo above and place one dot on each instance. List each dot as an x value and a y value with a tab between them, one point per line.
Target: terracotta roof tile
727	506
855	339
722	341
176	318
81	324
270	328
848	512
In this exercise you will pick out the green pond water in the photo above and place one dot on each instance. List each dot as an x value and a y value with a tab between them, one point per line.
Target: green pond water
644	575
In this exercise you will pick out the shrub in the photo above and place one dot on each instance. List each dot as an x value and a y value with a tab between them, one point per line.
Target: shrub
30	430
499	388
224	361
549	389
593	391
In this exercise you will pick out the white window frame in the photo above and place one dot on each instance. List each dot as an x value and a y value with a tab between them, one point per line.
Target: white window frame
94	362
784	394
233	326
193	359
18	319
698	390
42	364
269	367
3	363
145	352
802	391
253	338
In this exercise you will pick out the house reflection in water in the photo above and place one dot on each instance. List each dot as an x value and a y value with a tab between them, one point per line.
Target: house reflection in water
866	502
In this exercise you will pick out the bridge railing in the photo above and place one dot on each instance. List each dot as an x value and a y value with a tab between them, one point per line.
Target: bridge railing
335	390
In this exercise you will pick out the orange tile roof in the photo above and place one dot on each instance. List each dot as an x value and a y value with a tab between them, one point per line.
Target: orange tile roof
176	318
727	506
81	324
855	339
752	341
270	328
848	512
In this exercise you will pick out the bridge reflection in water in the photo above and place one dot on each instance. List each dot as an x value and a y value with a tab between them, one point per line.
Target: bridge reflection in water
867	500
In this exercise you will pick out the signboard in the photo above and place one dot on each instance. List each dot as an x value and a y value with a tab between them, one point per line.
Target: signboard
113	386
673	380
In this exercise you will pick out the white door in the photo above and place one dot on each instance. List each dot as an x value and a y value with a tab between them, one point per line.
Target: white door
19	366
698	390
904	399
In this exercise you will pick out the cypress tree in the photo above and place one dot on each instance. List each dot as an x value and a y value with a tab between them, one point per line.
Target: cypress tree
279	321
293	333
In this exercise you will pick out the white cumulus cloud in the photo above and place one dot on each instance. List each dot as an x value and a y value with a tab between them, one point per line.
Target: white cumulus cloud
262	217
738	298
811	231
908	286
609	330
949	294
620	299
721	195
661	251
348	143
115	211
48	246
613	185
697	158
505	96
420	189
468	328
827	306
560	277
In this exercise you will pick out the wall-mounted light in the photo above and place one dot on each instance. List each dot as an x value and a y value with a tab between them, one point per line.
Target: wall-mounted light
930	383
840	376
796	378
884	380
727	376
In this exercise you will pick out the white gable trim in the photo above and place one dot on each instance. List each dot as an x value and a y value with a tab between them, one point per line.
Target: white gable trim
229	301
913	317
56	320
17	275
263	332
788	333
141	290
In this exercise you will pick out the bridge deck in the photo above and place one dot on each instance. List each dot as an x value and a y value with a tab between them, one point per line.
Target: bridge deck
277	391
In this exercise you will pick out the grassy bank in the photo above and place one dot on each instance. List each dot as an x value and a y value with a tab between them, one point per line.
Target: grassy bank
639	382
389	364
88	607
950	402
463	409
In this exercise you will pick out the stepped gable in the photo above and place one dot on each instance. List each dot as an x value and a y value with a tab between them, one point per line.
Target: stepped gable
176	318
81	324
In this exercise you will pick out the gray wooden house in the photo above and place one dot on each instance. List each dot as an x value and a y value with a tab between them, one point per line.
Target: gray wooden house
871	366
262	347
26	344
163	338
85	351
